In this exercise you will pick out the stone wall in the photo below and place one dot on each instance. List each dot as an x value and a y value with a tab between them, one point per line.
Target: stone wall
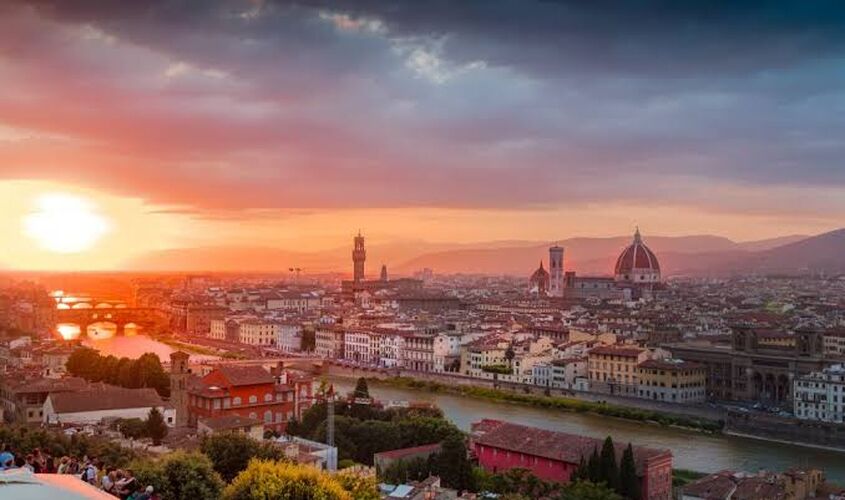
791	430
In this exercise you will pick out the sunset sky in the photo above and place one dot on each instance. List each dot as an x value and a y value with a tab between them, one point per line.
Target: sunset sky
130	127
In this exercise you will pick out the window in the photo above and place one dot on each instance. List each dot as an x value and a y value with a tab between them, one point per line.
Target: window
236	401
253	399
252	414
268	397
268	417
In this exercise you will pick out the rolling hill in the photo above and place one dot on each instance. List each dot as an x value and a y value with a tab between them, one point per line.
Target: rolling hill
686	255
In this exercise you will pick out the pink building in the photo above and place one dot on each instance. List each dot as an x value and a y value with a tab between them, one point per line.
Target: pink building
554	456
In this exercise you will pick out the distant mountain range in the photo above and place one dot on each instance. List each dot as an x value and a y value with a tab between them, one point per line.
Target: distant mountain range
684	255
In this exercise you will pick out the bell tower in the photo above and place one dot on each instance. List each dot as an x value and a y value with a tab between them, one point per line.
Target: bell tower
179	386
556	284
359	255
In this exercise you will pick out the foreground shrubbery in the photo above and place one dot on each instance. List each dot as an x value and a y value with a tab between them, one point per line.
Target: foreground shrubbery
265	479
23	440
180	476
557	402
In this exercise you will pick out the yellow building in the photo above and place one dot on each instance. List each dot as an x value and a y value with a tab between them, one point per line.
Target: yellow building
613	369
672	381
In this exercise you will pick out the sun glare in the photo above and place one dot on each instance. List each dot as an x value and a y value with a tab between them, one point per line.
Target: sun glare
64	223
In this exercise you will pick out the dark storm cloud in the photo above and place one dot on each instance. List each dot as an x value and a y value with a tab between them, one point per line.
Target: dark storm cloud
633	37
450	103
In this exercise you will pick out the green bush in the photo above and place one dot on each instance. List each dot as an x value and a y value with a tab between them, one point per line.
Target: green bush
180	476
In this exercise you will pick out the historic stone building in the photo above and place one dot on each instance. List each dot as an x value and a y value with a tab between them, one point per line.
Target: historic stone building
750	371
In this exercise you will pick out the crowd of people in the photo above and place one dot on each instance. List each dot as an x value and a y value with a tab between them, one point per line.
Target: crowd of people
120	483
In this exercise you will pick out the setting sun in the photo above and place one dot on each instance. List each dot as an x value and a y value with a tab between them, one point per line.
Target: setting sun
65	224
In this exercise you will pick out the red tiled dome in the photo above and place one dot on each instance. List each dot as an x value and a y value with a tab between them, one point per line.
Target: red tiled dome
636	257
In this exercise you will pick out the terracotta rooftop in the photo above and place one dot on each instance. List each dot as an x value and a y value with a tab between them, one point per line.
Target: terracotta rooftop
245	375
631	352
228	422
553	445
402	452
104	398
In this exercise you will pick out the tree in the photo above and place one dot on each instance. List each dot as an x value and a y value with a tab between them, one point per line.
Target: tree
594	467
609	472
309	339
628	484
509	355
133	428
361	389
263	479
230	452
155	427
452	464
361	487
180	476
580	473
585	490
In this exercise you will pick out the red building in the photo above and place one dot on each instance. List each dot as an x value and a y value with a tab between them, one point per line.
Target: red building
554	456
252	392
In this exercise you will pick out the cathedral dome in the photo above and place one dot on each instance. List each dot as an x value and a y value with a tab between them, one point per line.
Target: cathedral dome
637	263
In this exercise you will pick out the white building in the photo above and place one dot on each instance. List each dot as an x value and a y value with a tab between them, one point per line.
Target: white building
217	329
820	395
447	352
289	336
560	373
390	347
360	346
93	405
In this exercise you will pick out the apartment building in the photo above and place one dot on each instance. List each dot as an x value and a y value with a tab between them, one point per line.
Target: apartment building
418	353
820	395
672	381
613	369
258	332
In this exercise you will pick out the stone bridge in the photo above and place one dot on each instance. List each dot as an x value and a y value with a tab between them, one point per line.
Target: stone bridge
120	317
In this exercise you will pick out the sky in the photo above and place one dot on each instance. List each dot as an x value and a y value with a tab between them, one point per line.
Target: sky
167	124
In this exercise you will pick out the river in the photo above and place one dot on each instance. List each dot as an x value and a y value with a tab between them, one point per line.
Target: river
136	345
691	450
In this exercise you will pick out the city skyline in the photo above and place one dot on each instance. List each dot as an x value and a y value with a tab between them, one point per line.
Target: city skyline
283	124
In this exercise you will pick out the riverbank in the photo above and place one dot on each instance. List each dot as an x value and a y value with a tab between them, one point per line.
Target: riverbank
195	349
556	402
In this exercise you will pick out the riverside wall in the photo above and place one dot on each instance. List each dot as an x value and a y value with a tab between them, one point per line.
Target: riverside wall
787	430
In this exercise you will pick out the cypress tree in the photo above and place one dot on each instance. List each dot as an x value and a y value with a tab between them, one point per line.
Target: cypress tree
580	473
361	389
608	470
594	467
628	485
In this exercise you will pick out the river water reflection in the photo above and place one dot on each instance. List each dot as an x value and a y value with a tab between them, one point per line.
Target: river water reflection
134	346
691	450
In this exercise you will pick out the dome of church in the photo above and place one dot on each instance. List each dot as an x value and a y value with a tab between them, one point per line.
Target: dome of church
637	263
